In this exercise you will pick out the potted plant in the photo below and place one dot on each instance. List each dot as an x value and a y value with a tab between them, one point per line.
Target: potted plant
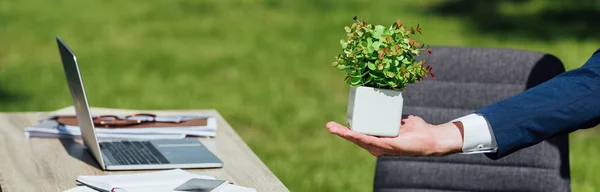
379	63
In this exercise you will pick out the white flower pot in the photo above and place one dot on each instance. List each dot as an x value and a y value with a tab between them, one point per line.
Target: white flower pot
375	111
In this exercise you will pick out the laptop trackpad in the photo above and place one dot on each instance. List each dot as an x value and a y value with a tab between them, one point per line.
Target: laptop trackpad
185	151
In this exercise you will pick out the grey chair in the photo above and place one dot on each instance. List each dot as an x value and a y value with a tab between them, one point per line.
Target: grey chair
468	79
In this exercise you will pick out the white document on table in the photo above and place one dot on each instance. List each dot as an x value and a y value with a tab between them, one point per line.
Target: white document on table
159	181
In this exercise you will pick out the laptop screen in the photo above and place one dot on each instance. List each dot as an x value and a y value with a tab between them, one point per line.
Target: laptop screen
80	103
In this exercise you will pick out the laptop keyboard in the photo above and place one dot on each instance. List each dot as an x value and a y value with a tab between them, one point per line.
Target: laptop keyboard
132	153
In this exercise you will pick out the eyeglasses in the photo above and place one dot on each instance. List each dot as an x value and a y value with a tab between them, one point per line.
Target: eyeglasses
113	120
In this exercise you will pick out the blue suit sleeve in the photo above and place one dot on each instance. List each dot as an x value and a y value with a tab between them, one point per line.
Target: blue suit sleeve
561	105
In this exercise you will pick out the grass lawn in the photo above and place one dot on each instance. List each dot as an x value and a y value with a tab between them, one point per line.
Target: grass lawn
264	64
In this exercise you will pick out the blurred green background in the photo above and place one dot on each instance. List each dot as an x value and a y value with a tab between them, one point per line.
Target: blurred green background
266	65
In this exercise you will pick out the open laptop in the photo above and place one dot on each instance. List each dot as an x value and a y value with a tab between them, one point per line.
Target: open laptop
135	154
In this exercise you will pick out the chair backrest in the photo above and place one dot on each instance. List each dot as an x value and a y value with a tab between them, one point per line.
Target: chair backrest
468	79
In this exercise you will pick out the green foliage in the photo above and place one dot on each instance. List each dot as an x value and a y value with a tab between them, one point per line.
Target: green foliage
376	56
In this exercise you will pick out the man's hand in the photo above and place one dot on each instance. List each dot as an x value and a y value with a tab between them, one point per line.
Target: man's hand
416	138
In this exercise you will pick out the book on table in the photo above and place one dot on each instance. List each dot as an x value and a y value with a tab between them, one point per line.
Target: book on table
175	180
137	126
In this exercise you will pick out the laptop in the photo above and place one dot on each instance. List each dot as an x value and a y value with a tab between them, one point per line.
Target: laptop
130	154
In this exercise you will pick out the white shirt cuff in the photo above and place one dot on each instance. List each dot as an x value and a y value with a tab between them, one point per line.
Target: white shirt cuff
478	135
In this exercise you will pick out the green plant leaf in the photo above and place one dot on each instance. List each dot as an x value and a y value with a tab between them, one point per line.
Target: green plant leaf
376	45
344	44
371	65
389	74
391	83
378	31
362	64
369	79
374	76
363	75
405	61
416	52
372	56
348	30
355	80
359	32
399	77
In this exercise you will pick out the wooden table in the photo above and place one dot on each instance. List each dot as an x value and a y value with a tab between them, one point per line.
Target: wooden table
48	164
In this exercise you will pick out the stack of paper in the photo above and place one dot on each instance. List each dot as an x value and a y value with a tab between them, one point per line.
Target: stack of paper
160	181
51	128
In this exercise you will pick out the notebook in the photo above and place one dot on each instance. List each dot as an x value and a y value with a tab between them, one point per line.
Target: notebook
162	127
175	180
